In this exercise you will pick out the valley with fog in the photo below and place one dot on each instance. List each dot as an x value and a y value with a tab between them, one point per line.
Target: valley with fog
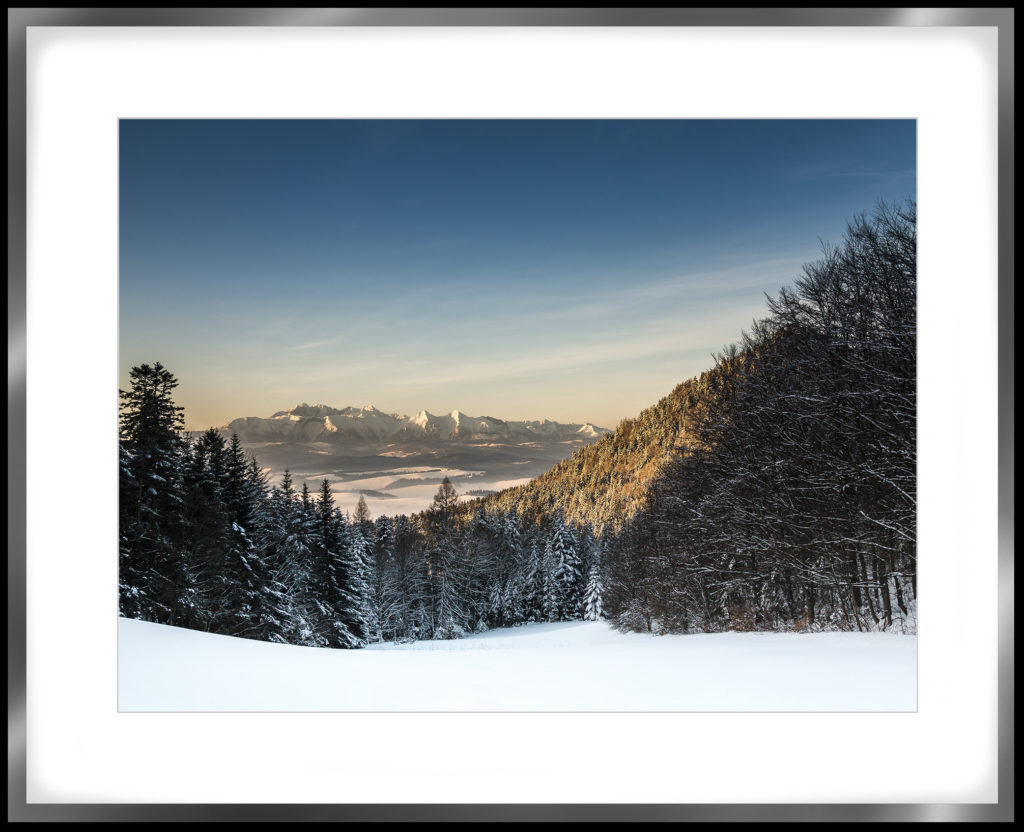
396	463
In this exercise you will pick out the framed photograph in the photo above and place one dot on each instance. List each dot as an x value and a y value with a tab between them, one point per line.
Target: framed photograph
585	270
522	391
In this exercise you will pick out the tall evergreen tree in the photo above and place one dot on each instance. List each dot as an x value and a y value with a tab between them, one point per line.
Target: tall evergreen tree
256	604
389	606
360	565
154	569
534	582
210	540
447	602
293	536
336	584
593	609
564	559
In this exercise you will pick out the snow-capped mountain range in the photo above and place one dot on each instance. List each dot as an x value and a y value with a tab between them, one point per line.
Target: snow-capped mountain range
370	426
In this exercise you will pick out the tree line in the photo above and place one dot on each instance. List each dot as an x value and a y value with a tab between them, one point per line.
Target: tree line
207	543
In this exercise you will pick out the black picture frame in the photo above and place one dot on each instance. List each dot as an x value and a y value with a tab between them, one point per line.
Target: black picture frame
19	20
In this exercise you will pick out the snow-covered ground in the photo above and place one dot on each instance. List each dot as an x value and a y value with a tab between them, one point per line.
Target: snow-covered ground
571	666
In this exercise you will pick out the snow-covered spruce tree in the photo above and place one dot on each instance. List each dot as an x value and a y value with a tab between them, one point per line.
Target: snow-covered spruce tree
360	564
533	581
241	496
385	591
590	569
261	593
335	581
446	600
362	536
211	545
134	600
244	574
593	607
550	595
496	604
152	568
256	604
421	609
564	559
291	535
517	582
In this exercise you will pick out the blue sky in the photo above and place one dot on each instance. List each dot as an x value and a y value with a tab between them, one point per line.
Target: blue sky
574	270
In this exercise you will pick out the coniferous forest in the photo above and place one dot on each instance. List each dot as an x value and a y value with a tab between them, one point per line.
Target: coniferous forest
776	491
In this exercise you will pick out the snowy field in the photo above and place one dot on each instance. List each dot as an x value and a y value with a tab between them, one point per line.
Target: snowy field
569	666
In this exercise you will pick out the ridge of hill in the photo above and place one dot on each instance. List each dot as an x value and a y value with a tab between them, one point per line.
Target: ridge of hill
606	483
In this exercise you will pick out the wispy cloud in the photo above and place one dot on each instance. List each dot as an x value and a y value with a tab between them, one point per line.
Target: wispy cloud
318	344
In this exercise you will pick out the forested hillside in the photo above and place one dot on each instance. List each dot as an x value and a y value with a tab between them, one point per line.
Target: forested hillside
794	505
776	491
606	483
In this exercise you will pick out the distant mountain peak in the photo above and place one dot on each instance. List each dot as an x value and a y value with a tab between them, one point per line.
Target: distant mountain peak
368	425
